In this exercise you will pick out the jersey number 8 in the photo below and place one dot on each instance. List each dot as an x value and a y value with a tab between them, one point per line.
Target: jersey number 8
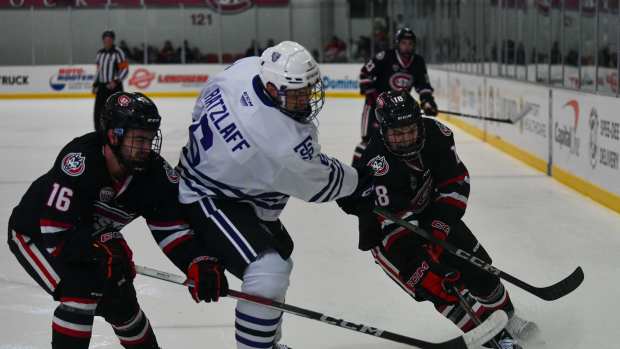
382	197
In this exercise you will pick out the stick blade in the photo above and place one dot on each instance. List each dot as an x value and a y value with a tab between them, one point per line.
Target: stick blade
562	288
488	329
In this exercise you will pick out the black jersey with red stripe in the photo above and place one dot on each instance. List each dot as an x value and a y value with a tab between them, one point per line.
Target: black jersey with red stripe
434	185
389	71
78	195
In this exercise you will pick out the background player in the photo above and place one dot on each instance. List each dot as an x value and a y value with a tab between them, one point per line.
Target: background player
398	69
253	144
65	230
112	69
418	175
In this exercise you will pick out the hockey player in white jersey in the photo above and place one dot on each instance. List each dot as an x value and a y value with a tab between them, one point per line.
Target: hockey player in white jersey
252	144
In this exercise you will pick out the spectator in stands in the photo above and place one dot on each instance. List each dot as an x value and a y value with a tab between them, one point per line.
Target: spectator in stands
167	53
123	46
335	50
253	49
138	53
189	53
363	49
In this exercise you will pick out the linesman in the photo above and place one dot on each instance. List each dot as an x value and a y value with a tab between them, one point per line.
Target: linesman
112	69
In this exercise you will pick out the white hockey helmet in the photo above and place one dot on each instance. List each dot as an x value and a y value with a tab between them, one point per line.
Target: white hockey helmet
295	74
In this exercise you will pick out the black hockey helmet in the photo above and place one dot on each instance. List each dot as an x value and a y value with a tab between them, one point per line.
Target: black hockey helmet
108	34
124	111
404	33
401	123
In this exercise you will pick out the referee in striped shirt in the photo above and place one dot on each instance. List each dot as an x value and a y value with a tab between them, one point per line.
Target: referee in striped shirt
112	69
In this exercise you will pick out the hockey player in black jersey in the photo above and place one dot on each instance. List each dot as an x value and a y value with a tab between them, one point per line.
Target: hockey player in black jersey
398	69
65	232
419	176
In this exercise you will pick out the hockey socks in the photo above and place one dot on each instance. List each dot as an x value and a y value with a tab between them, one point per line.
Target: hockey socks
73	323
482	306
136	333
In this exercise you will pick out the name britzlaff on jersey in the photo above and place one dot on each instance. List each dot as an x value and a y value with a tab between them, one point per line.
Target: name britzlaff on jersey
243	148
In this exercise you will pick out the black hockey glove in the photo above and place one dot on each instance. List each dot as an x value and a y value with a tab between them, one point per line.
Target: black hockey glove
209	281
427	102
361	201
114	258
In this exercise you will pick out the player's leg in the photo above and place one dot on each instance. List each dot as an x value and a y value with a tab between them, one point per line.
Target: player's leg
267	276
119	307
255	251
485	292
369	125
73	318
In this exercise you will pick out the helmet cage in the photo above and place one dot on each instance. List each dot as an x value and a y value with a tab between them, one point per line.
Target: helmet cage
314	94
131	111
132	163
401	126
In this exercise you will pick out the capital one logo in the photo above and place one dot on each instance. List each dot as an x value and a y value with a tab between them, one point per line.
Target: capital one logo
566	135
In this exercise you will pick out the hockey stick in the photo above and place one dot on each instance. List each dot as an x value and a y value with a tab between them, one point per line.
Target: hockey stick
512	120
470	311
549	293
472	339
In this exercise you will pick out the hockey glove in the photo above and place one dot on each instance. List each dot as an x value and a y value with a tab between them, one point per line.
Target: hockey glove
362	199
114	258
430	280
427	102
208	279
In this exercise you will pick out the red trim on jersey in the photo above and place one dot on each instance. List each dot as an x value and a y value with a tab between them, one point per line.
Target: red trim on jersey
453	180
385	266
69	332
453	202
176	242
78	300
36	260
43	222
395	236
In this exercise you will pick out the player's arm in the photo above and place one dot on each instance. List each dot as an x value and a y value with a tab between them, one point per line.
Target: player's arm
305	173
422	86
452	178
368	77
67	207
176	239
166	221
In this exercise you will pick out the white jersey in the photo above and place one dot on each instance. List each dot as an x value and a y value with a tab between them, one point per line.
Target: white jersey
241	147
